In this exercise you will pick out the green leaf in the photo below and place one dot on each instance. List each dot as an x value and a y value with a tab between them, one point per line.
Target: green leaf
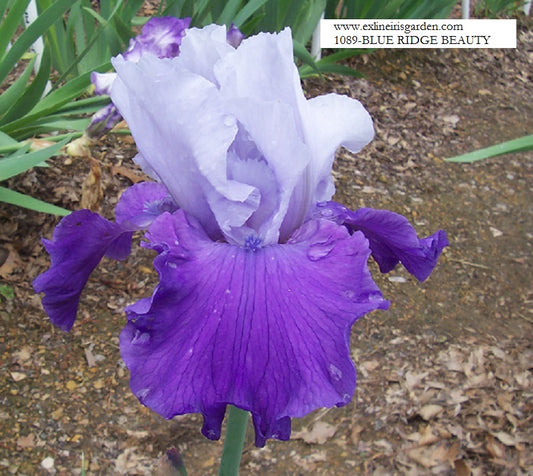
247	11
516	145
6	140
301	53
53	101
229	12
9	26
7	291
306	71
14	164
25	201
33	93
11	94
28	36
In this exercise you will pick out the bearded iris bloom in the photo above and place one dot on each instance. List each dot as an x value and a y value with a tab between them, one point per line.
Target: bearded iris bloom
160	37
261	275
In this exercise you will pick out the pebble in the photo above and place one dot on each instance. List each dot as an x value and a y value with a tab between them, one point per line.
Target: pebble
48	463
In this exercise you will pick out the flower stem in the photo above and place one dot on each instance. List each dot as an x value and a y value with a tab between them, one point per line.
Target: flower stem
235	433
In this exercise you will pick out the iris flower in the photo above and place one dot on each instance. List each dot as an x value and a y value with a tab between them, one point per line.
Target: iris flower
261	275
160	37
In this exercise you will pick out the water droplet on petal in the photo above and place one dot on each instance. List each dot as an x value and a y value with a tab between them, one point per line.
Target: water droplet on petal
140	337
335	372
346	398
229	121
142	394
319	251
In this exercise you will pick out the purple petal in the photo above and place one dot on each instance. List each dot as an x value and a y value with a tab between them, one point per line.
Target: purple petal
160	37
103	121
102	82
265	330
392	238
80	241
234	36
142	203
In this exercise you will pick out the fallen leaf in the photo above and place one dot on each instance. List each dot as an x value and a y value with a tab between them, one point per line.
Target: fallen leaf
134	176
494	448
428	438
91	361
18	376
319	434
505	438
91	190
495	232
461	468
427	412
9	261
451	119
26	441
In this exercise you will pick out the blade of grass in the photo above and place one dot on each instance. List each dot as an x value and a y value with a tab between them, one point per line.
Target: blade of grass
306	71
302	54
25	201
9	25
516	145
54	100
33	93
11	166
247	11
96	36
28	36
11	94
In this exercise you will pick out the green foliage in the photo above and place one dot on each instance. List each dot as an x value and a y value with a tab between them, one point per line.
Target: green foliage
516	145
397	9
7	291
83	39
25	110
495	8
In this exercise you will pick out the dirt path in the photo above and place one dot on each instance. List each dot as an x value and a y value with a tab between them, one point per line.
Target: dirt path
445	383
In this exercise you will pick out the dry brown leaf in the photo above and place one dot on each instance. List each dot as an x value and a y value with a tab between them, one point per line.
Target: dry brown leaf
319	434
91	190
428	438
427	412
128	173
9	262
89	356
429	456
495	449
18	376
23	355
26	441
413	379
355	433
461	468
505	438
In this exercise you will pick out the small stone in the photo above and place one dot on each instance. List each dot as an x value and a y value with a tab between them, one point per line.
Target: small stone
495	232
47	463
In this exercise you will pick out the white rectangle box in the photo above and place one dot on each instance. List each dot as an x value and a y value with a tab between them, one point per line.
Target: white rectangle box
417	33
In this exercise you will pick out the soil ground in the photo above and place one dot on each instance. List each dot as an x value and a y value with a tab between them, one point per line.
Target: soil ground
444	377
